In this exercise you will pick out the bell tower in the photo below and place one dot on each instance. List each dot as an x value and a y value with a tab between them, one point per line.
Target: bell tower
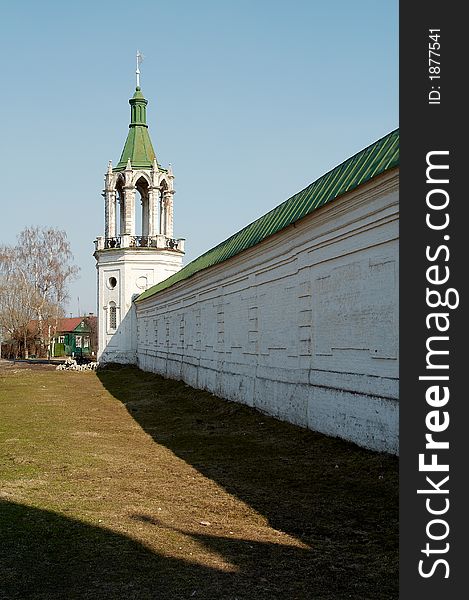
137	250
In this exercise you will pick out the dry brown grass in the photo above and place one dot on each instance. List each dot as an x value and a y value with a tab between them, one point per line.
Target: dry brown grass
124	485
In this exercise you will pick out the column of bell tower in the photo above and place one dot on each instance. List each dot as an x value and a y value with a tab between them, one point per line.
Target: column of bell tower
129	201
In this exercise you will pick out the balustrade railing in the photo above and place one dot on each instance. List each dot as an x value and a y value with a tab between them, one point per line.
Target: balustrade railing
160	242
172	244
114	242
141	241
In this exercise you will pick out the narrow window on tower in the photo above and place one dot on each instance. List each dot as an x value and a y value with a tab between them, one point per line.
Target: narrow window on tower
112	315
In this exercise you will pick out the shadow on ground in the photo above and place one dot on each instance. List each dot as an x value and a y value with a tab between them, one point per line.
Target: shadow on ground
44	555
339	500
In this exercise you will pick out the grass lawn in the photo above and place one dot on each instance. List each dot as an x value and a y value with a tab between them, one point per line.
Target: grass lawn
123	485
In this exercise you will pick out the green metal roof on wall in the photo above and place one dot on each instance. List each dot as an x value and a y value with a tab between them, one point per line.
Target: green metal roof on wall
138	147
374	160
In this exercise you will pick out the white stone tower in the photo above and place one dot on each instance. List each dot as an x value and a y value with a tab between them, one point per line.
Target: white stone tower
130	261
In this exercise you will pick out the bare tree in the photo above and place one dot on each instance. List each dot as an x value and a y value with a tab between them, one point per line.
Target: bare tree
92	323
34	276
16	312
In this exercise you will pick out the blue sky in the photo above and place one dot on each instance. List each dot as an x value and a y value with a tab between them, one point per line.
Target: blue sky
249	100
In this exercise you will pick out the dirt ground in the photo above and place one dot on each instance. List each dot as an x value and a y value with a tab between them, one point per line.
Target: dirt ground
11	366
123	485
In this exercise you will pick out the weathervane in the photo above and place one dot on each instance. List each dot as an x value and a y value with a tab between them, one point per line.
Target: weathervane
139	62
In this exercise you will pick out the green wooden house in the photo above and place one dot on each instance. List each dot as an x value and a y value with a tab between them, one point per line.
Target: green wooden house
75	337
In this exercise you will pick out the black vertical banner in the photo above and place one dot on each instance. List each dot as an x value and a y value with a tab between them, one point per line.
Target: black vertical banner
434	354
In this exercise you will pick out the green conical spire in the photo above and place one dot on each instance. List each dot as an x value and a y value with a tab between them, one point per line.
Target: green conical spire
138	147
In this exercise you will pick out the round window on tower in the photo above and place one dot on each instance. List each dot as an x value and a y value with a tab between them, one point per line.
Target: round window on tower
142	282
112	282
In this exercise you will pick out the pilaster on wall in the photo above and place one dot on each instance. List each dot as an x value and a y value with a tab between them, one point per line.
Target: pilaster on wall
305	321
253	327
198	330
181	332
220	343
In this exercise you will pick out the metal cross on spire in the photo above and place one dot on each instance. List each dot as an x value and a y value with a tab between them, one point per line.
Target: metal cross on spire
139	61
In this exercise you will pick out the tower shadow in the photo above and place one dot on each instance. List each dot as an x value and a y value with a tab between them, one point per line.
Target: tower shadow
44	555
339	500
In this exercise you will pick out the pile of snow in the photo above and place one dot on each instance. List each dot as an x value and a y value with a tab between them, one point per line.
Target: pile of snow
71	365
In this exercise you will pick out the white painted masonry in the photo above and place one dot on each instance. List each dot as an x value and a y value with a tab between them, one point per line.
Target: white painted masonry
134	270
303	326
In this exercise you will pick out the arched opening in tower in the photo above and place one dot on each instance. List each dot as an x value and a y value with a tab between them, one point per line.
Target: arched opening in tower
120	224
142	209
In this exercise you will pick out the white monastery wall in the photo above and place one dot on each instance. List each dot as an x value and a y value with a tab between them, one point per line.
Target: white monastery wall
303	326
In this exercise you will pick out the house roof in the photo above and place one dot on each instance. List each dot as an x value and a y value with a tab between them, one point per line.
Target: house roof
370	162
68	324
65	325
138	147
